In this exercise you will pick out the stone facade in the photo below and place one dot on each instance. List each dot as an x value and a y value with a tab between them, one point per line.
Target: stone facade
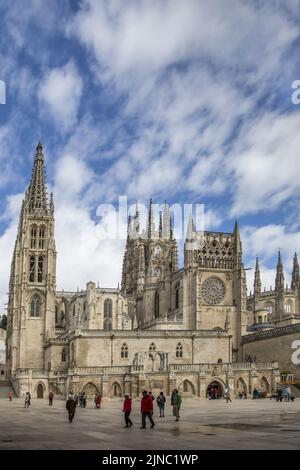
2	353
164	328
275	307
277	344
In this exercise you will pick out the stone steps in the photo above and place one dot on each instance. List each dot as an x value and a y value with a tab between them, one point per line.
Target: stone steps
5	388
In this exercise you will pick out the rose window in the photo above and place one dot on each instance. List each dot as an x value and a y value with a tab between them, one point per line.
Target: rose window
213	290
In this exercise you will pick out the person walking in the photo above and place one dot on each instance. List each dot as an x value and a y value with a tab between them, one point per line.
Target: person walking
172	398
71	407
177	404
286	394
147	409
27	400
10	396
127	407
227	394
84	399
161	401
153	398
98	401
51	396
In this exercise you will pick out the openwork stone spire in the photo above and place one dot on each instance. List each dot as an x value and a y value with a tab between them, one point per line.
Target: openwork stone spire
37	194
295	274
257	280
279	281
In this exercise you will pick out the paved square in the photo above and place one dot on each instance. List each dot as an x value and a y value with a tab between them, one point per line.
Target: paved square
244	424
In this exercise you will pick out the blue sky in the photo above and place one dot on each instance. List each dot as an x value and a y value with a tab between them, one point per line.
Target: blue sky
188	101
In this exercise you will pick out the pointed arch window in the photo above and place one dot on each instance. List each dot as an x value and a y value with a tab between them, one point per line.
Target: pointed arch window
107	308
179	350
107	325
156	304
288	307
270	309
177	295
42	235
33	234
124	351
36	306
64	355
40	269
74	310
56	315
31	268
72	352
157	251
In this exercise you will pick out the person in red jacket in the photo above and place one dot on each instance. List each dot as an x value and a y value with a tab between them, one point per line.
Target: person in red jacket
127	410
147	409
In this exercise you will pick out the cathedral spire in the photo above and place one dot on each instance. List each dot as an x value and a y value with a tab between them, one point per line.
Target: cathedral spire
160	225
151	226
191	229
136	222
166	222
279	281
237	244
295	273
37	194
257	280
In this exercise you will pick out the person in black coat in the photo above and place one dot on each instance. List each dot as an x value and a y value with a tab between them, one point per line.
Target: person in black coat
71	407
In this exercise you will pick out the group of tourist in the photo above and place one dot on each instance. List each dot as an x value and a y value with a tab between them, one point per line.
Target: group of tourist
80	399
146	407
282	394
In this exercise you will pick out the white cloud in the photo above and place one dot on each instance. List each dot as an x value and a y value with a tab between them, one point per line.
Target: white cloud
61	91
82	254
265	163
186	69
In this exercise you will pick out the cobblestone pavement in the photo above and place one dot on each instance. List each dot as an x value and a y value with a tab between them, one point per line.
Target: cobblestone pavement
244	424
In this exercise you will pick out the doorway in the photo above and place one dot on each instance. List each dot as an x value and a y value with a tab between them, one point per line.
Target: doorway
214	390
40	391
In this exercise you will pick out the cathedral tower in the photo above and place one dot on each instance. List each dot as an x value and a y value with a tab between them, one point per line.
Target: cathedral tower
150	258
31	305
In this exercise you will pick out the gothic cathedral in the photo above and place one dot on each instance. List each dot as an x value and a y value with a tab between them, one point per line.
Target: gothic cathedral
166	327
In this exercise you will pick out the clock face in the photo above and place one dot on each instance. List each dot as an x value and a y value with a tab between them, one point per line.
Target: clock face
213	290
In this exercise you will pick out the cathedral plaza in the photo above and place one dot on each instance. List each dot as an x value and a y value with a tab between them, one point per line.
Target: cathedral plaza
204	424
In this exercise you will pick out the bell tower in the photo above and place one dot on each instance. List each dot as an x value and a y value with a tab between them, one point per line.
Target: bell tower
31	304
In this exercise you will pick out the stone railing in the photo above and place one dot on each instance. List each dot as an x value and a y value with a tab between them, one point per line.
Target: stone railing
282	330
225	367
174	320
192	367
60	329
99	370
40	373
136	368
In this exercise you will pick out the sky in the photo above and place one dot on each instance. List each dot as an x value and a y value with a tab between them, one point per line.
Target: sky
189	101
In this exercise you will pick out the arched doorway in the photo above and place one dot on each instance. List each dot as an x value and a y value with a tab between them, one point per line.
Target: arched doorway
214	390
90	390
116	390
241	388
264	386
187	388
40	391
